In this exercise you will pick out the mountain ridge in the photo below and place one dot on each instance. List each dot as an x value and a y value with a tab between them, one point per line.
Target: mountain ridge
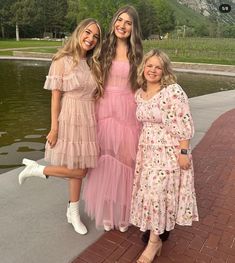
210	9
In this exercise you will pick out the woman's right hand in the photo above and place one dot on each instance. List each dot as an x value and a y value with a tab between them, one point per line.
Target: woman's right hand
52	138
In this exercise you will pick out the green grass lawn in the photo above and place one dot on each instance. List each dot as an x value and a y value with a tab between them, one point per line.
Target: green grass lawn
28	43
198	50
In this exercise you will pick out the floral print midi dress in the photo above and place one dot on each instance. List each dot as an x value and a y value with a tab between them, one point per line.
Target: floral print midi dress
163	194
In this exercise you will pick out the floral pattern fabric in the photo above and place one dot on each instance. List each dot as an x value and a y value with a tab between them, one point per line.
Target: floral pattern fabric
163	194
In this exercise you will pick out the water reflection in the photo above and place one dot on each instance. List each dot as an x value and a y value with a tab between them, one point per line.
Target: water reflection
25	107
201	84
24	111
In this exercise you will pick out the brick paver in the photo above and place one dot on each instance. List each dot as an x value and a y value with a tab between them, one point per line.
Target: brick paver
212	239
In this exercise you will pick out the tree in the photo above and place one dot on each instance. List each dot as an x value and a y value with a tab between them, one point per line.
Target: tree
72	14
5	14
55	16
23	11
148	18
101	10
166	16
156	16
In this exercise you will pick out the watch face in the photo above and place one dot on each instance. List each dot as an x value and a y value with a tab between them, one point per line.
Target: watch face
184	151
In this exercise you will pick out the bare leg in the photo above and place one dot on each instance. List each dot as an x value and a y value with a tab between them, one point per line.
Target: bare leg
74	189
33	169
64	172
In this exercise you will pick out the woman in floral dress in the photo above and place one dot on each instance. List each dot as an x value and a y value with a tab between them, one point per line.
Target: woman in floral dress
163	191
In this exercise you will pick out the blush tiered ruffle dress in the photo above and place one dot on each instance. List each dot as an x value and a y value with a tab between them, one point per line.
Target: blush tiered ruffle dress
76	146
107	190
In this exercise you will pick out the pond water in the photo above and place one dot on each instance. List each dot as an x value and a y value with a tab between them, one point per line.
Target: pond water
25	107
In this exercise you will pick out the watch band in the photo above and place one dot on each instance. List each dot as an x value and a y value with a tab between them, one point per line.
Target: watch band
184	151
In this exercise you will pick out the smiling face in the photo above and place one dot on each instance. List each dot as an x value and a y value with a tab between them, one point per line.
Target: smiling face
89	38
123	26
153	70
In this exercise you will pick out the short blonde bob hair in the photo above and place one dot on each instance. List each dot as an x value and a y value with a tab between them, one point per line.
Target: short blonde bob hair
168	76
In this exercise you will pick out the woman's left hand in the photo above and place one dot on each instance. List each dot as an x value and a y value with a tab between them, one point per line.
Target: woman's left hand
184	161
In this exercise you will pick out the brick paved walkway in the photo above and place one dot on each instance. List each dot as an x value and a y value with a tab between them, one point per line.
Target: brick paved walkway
212	239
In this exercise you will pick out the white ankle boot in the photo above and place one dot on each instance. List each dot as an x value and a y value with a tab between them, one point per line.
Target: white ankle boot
32	169
73	217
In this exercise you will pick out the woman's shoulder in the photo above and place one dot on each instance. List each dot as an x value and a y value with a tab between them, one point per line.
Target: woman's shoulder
175	92
58	62
174	88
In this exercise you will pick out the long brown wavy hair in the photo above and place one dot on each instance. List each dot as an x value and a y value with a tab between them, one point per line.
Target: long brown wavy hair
135	48
168	76
73	48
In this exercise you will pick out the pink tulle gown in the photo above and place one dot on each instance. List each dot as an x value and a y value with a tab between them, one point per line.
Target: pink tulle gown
76	146
108	188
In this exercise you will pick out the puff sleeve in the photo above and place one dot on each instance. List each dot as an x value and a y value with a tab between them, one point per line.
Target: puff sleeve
54	79
176	114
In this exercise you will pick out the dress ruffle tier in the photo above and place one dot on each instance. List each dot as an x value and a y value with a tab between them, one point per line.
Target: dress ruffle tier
107	190
76	146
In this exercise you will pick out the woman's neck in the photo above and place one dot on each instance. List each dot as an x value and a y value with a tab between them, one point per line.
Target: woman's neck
121	50
82	54
153	86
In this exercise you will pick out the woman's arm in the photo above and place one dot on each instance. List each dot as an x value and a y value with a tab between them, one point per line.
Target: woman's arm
55	110
184	160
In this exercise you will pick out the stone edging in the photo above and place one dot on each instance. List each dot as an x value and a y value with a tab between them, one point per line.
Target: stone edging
200	68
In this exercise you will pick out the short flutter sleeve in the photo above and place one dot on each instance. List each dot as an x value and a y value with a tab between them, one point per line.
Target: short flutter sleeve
176	114
54	80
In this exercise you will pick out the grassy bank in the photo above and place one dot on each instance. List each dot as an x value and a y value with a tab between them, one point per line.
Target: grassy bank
5	44
198	50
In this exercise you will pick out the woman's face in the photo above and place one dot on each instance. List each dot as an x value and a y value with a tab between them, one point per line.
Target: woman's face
89	37
153	70
123	26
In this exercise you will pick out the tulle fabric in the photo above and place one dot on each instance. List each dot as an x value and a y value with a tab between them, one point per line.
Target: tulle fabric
108	188
76	146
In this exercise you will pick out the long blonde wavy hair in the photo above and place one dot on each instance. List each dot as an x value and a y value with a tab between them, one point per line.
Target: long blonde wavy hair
168	76
73	48
135	48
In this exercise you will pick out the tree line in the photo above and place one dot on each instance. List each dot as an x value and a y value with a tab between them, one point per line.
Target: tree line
57	18
36	18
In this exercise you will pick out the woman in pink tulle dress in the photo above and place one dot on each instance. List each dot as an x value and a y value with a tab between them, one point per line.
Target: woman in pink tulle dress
163	190
107	190
75	80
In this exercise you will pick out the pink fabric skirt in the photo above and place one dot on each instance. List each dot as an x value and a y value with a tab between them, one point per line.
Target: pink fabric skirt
108	187
76	146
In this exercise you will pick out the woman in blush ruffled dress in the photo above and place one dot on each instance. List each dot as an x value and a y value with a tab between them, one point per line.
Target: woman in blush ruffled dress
75	81
107	190
163	190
